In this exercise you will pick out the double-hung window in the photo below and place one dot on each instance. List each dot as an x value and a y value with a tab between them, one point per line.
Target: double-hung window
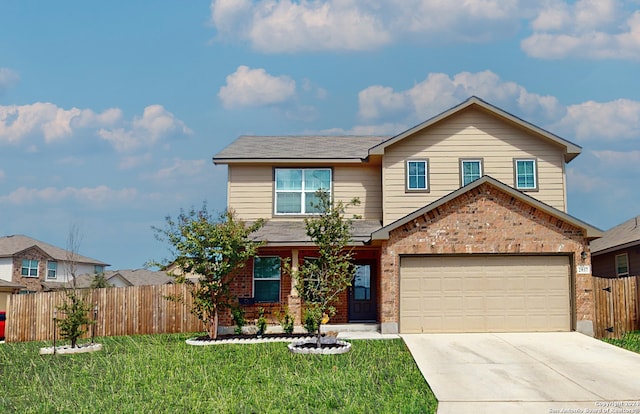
266	278
29	268
52	270
417	175
622	265
295	189
525	174
470	170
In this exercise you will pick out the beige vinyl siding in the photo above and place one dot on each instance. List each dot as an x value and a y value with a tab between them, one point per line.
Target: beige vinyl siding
363	182
250	189
476	135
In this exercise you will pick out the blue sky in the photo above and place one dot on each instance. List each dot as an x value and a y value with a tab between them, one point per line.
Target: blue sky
110	112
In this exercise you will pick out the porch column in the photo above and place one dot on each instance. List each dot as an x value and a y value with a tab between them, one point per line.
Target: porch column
295	304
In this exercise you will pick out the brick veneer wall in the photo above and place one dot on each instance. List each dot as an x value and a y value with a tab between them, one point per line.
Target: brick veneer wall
483	220
30	283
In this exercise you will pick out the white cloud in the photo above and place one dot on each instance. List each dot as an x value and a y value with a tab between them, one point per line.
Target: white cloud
284	26
8	78
619	160
594	29
255	87
93	195
382	106
155	124
180	168
439	92
49	120
617	120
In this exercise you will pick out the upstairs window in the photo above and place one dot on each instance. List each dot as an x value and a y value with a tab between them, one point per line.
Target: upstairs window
295	189
52	270
417	175
622	265
525	175
470	170
29	268
98	269
266	279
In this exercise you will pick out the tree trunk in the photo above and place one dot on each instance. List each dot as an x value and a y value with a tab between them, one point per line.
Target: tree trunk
213	325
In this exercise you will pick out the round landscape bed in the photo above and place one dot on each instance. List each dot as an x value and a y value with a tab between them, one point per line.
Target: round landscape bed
310	346
66	349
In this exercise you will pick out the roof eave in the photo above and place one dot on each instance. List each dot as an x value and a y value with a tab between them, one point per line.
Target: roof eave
615	248
227	161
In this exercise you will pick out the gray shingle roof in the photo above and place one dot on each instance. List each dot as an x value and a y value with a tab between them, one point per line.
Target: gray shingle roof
141	277
11	245
625	234
293	233
298	147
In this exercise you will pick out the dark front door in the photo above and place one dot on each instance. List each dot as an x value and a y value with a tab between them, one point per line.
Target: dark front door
362	297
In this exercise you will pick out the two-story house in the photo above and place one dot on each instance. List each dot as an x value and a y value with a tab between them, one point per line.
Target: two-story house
33	264
463	224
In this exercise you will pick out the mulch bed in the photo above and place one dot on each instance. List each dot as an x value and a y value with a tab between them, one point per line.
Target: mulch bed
292	336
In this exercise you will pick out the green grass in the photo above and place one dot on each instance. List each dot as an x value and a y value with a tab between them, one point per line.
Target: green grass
630	341
160	373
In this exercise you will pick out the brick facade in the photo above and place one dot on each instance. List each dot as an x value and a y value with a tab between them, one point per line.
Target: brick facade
483	220
30	283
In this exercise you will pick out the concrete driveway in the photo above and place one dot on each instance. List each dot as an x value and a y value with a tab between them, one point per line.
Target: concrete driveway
527	373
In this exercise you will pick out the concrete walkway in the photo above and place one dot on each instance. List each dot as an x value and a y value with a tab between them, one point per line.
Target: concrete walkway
527	373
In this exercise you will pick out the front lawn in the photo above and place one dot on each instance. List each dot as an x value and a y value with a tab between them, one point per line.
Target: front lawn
630	341
160	373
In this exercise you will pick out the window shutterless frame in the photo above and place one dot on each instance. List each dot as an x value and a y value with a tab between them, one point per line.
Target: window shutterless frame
52	270
29	268
470	170
295	188
416	177
622	265
266	279
525	174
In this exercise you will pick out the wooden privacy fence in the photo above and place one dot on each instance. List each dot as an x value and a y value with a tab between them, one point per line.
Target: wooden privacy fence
616	306
121	311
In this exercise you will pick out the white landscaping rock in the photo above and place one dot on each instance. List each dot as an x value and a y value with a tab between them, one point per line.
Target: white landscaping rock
66	349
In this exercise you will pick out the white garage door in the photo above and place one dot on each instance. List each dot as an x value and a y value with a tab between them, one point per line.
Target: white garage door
484	294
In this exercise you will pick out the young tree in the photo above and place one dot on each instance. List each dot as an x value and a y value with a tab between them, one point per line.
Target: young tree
76	306
320	281
212	249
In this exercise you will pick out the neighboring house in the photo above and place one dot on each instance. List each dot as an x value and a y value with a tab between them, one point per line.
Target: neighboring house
32	263
137	277
119	278
463	224
617	253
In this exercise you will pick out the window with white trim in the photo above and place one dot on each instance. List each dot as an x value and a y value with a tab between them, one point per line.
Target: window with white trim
266	278
98	269
52	270
29	268
470	170
622	265
417	175
295	189
525	173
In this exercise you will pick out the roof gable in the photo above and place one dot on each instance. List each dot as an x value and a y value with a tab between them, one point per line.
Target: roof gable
14	244
570	149
590	231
